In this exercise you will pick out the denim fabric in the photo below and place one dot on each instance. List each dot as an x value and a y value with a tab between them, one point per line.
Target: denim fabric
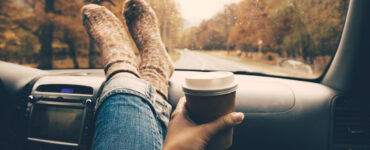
129	116
134	86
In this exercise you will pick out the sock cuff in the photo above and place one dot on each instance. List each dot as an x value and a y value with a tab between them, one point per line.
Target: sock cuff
120	66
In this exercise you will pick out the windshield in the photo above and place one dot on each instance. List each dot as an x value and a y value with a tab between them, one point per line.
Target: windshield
292	38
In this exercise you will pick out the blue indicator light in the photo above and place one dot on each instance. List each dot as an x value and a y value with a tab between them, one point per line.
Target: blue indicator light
67	90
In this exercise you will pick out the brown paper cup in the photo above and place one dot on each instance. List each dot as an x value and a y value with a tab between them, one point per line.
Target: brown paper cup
210	96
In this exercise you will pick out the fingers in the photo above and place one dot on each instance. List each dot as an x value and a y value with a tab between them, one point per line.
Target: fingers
180	107
224	122
181	103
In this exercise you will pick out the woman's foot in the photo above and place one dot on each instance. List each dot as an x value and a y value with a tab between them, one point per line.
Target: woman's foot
156	65
112	38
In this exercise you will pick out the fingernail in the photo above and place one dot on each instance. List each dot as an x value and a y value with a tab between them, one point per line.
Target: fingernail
238	117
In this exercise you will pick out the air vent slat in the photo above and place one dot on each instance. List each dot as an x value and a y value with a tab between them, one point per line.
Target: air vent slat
357	124
349	118
351	122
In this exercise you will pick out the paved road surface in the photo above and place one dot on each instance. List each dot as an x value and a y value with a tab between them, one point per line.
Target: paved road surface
199	61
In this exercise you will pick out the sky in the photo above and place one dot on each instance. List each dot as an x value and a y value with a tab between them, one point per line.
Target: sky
194	11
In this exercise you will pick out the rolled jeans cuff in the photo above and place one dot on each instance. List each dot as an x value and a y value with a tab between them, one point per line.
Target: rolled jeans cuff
122	84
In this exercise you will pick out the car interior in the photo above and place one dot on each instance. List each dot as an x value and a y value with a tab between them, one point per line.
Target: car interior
331	112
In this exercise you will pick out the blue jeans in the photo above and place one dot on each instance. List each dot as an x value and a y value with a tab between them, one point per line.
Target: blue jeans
129	116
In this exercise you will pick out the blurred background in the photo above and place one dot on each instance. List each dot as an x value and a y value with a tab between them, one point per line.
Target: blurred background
294	38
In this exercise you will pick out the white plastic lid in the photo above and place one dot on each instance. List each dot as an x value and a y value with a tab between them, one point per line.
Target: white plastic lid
210	83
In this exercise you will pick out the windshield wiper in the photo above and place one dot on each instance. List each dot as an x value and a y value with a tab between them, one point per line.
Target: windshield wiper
235	72
250	73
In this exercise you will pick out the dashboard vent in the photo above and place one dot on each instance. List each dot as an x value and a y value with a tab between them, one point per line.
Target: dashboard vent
351	124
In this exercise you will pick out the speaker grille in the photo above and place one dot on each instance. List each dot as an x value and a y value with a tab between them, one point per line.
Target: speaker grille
351	124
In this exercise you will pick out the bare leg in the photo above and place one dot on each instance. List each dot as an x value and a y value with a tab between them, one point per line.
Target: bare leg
156	65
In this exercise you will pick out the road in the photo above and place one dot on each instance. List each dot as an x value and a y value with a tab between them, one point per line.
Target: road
199	61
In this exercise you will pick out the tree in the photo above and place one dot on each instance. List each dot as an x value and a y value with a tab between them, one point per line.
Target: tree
69	28
189	38
32	30
212	33
312	27
37	21
170	21
50	21
253	25
300	28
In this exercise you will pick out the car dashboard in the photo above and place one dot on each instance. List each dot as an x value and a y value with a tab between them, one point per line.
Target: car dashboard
280	113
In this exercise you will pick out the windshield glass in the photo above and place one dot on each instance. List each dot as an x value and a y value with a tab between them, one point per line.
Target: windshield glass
293	38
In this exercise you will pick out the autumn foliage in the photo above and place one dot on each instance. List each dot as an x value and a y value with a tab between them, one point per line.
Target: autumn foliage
42	32
298	28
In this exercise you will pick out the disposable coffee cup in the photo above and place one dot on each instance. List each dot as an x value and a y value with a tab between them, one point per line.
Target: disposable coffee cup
210	96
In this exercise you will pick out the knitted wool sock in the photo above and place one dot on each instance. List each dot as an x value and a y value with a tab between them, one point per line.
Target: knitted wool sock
156	65
112	38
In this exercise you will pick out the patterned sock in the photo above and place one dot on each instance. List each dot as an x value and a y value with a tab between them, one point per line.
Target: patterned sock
112	38
156	65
